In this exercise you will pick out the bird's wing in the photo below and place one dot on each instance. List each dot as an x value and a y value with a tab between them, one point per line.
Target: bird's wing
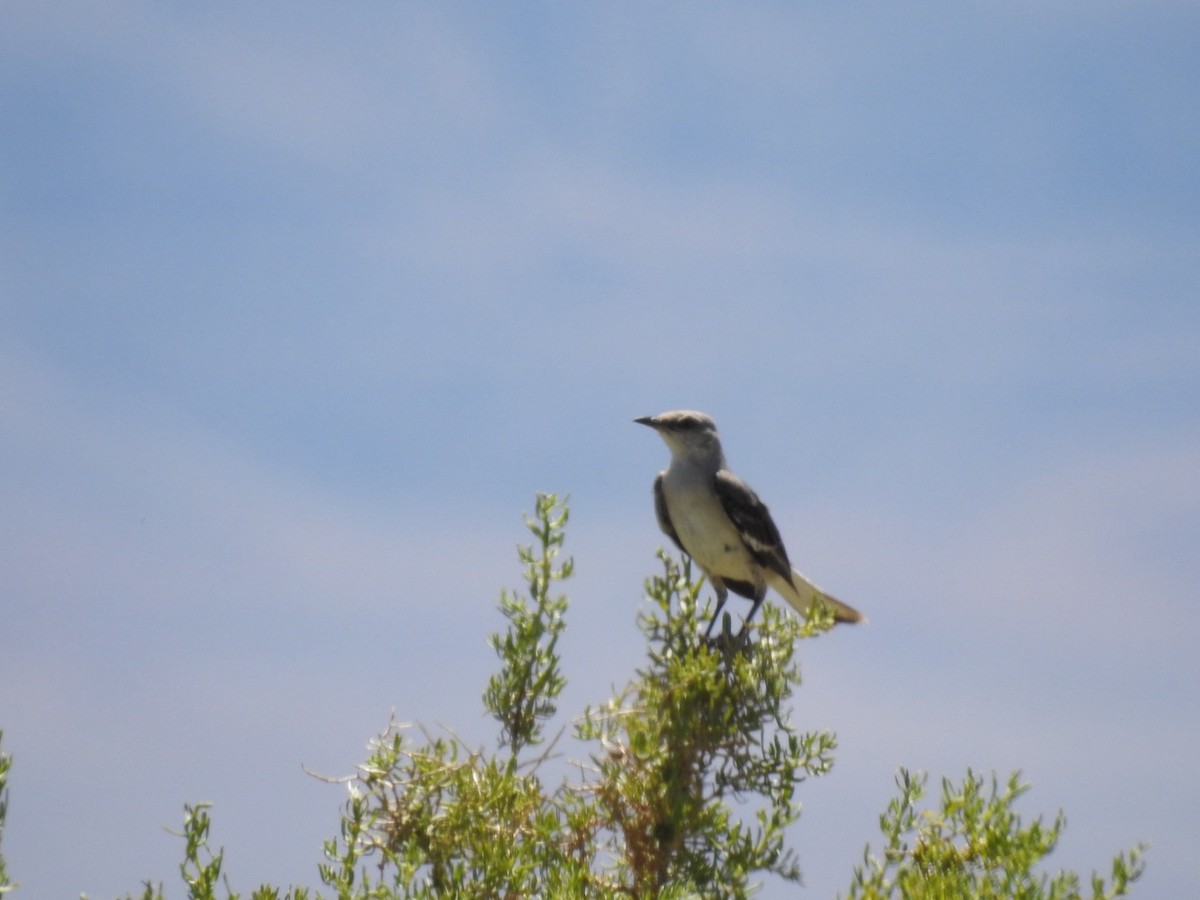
753	521
663	515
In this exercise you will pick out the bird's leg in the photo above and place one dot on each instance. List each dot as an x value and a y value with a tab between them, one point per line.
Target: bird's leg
722	596
760	595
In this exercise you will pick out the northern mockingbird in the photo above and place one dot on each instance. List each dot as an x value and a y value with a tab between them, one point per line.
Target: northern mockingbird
716	519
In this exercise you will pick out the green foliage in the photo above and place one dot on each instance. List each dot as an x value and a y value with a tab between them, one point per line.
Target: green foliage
650	814
201	876
5	765
521	696
201	868
974	846
703	723
688	782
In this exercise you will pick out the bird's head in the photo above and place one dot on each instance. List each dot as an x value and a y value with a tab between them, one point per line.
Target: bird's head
688	434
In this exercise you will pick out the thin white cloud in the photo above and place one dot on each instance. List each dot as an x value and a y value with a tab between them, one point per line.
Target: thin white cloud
155	510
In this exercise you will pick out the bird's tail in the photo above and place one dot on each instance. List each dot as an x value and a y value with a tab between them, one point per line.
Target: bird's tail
802	593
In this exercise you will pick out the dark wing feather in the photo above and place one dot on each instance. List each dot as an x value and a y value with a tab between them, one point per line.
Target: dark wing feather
662	514
741	588
753	521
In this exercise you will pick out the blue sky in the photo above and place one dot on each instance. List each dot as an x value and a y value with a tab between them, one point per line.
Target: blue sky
299	306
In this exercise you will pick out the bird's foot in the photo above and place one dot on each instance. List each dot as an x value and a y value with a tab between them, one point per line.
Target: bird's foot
725	641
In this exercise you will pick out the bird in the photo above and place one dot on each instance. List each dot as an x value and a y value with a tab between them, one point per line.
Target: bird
720	522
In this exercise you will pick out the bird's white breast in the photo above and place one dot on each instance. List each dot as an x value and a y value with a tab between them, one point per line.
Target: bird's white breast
703	527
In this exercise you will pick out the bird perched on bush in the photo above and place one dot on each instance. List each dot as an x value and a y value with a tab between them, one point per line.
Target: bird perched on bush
716	519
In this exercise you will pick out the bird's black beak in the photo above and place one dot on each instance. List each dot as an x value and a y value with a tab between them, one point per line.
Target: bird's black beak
647	420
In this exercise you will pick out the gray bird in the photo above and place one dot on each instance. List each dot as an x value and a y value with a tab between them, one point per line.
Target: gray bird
716	519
